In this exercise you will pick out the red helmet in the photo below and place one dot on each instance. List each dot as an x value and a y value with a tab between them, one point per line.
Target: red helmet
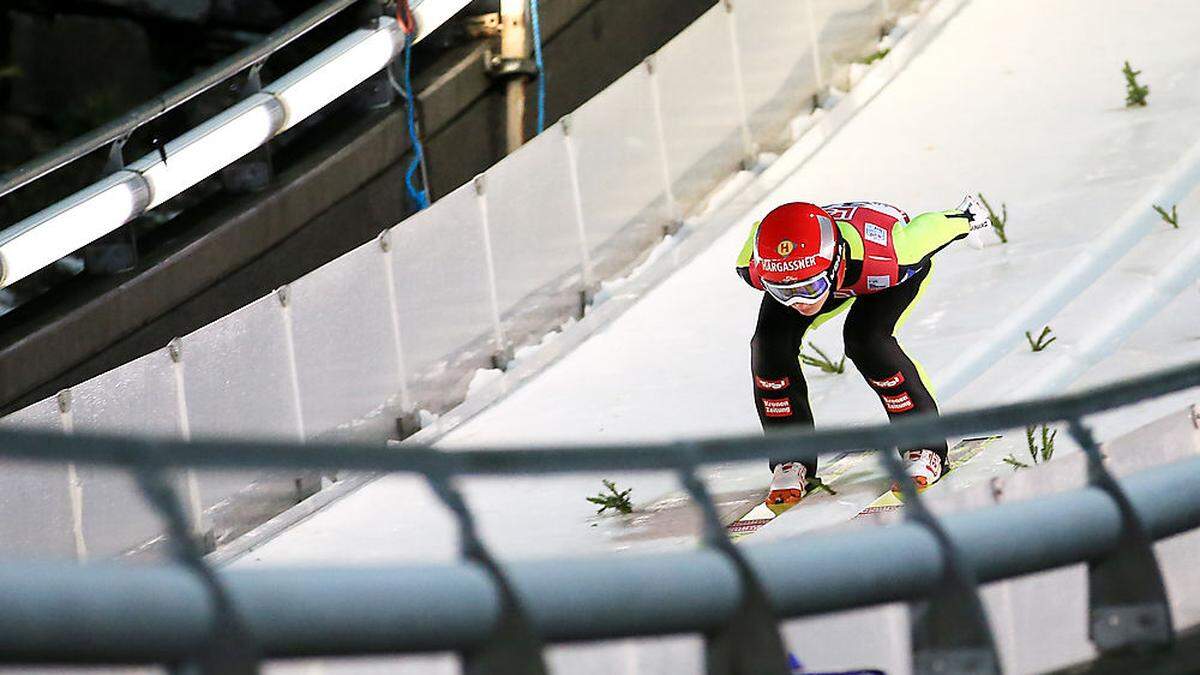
797	253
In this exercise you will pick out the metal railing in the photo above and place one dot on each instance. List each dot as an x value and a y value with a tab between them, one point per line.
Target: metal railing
500	616
124	126
131	190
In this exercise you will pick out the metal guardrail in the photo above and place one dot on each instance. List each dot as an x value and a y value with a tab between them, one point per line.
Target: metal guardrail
122	127
498	617
131	190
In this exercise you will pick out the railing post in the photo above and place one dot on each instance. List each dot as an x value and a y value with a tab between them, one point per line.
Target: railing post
816	51
950	630
1127	600
513	647
588	275
503	353
408	422
674	214
284	295
749	147
195	506
74	484
749	643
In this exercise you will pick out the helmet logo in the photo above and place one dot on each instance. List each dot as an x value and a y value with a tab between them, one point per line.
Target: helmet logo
785	247
781	266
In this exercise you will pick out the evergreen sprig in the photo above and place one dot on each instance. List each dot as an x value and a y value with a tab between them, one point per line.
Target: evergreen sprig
999	220
1041	342
1135	92
1039	453
876	56
1171	218
1016	463
823	361
615	499
1043	452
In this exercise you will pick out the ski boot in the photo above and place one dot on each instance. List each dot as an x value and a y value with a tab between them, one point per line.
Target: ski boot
923	466
788	486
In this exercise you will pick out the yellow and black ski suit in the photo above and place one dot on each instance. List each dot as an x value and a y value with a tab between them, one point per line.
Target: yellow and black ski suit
888	261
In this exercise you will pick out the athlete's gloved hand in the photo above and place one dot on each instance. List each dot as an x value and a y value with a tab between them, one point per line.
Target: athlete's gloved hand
975	212
978	217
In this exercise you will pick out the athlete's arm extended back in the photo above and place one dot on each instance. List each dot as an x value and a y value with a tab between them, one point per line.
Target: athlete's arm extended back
927	234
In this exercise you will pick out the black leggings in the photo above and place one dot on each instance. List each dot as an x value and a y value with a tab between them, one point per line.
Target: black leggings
780	392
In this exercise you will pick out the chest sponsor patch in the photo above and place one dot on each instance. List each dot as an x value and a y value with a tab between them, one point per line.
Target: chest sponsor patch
888	382
777	407
875	233
876	283
899	403
771	385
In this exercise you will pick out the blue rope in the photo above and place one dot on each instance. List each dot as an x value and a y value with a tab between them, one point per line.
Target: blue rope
537	58
421	196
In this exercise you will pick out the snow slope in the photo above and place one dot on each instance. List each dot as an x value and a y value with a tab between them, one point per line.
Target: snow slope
1020	100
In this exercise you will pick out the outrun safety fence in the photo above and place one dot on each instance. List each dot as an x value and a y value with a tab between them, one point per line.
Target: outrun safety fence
499	616
458	287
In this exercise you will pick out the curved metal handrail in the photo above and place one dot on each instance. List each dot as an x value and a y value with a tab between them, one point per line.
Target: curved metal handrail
454	605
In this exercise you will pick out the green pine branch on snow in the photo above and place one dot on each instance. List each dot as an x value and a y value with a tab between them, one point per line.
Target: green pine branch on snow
1016	463
823	361
876	56
1171	218
1039	452
1135	92
1041	342
1045	451
999	220
615	499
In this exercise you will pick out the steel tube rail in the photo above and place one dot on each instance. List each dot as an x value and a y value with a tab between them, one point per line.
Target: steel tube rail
46	236
123	451
172	98
145	614
78	220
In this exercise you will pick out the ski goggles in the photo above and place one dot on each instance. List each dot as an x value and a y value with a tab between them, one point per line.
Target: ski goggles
807	292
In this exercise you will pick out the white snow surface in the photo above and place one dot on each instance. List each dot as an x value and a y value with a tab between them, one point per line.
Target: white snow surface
1022	101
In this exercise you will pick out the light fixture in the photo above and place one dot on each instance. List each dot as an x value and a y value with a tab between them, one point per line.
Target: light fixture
70	224
334	71
210	147
104	206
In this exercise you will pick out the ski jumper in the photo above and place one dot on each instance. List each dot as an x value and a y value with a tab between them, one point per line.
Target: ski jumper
888	260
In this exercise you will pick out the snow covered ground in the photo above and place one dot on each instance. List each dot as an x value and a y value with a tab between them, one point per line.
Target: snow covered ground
1022	101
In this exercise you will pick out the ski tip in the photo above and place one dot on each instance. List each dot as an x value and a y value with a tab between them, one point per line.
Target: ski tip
746	526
